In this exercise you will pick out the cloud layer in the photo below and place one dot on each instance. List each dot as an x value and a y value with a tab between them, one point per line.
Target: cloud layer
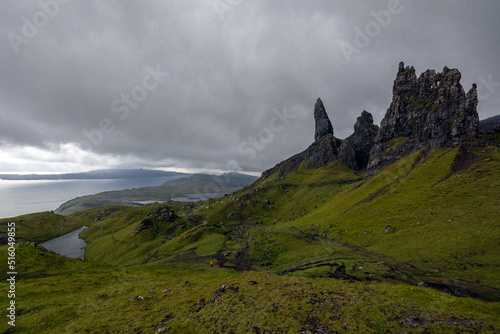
219	85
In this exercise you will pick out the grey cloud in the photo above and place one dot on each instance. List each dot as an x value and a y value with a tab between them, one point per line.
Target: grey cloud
226	76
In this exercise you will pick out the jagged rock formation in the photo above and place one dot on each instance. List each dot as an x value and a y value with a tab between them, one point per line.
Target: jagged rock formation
323	125
352	151
355	149
431	111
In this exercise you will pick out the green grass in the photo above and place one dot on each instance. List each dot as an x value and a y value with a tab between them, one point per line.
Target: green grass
96	299
281	239
40	227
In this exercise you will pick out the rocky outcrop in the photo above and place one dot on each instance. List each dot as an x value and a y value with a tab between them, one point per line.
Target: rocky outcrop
352	151
431	111
153	219
355	149
323	125
322	151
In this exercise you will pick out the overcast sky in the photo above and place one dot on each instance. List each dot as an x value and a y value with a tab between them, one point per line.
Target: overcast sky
209	85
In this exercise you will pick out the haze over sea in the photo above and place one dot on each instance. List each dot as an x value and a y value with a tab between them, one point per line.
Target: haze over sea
23	197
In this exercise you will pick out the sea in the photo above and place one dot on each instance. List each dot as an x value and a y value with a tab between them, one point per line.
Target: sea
23	197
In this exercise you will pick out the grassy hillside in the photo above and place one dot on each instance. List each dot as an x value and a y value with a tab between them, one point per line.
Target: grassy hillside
40	227
412	249
195	184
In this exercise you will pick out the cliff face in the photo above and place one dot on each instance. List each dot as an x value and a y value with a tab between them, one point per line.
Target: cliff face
431	111
355	149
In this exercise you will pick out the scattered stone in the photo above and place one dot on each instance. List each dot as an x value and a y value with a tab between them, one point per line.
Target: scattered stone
136	297
163	330
421	284
187	283
252	283
413	322
388	228
220	292
317	331
346	327
165	290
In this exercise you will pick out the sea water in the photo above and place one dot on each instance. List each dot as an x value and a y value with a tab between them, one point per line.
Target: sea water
22	197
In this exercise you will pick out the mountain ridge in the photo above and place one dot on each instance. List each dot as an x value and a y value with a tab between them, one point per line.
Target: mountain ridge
97	174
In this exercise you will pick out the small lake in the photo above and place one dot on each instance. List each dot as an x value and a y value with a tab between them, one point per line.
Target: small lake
69	245
198	197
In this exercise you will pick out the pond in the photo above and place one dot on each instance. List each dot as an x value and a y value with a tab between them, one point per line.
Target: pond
69	245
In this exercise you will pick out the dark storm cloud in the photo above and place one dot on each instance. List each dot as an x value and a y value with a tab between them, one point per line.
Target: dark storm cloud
218	84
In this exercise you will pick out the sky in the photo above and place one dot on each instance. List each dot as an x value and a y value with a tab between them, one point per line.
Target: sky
217	85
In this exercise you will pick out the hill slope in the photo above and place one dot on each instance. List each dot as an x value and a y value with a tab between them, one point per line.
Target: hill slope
195	184
312	249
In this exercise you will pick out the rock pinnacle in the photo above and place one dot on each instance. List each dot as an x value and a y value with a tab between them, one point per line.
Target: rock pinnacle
323	124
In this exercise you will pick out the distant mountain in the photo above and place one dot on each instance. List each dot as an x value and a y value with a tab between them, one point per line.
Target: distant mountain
489	123
96	175
194	184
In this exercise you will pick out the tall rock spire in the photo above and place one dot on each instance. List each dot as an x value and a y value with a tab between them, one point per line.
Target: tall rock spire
323	124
